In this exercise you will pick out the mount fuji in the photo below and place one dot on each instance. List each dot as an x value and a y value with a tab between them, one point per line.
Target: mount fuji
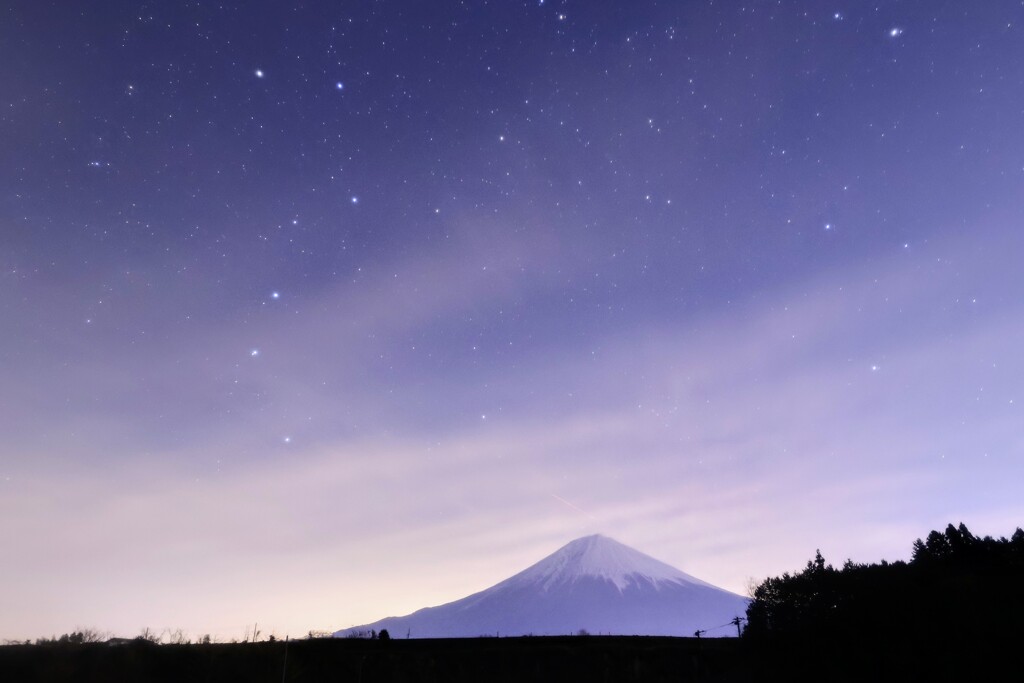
594	584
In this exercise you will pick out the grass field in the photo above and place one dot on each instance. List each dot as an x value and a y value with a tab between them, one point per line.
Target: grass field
575	658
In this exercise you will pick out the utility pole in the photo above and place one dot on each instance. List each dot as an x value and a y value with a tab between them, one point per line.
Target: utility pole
736	622
284	670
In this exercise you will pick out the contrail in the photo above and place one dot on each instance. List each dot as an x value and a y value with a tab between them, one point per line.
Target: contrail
574	507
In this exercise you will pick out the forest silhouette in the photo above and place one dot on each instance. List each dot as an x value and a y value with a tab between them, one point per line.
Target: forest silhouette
952	610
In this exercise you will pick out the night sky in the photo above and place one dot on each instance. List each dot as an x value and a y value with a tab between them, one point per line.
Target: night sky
316	312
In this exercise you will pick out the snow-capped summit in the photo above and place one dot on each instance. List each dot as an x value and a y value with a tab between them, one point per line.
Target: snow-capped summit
593	583
605	558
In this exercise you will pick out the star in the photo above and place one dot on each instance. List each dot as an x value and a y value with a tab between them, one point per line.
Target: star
254	353
275	295
339	85
259	73
355	200
895	32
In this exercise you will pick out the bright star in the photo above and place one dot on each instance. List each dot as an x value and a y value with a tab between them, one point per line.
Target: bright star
339	85
259	73
275	295
254	353
355	200
895	32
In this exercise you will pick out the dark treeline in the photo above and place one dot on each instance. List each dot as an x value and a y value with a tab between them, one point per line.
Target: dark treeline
952	610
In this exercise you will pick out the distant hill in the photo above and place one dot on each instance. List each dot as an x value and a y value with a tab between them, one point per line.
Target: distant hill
593	584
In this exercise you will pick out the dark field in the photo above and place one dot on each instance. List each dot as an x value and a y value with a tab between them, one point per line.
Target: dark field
478	660
578	658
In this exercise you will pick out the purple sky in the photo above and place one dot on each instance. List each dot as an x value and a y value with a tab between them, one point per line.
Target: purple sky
320	312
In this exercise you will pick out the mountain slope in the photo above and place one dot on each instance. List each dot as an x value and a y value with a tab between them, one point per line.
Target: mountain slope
593	583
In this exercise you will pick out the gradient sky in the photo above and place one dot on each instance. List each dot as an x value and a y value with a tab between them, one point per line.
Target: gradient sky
318	312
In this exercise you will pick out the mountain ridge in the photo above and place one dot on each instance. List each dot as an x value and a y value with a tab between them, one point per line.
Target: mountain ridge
593	583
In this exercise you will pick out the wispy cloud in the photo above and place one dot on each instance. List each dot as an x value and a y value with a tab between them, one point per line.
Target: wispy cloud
731	446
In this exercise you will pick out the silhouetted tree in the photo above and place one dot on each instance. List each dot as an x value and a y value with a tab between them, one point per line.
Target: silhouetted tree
148	635
959	594
176	637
